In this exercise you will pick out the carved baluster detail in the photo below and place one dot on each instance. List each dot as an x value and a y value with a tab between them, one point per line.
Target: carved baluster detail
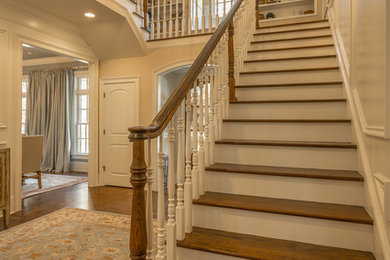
188	180
195	155
203	16
149	200
180	177
201	137
171	225
161	250
206	117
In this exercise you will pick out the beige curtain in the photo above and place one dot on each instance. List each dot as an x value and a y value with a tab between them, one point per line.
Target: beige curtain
49	110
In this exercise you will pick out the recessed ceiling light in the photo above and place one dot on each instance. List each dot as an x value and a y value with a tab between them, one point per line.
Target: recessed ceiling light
89	15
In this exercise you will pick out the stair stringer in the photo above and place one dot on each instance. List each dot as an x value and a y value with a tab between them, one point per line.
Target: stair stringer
372	204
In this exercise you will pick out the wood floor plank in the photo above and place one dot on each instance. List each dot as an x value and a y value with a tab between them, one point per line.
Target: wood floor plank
289	24
293	38
329	211
291	58
289	70
263	248
287	171
292	48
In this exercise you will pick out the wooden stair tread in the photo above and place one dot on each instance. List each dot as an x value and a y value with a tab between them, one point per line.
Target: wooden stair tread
293	48
293	30
289	101
292	39
289	70
295	84
346	145
320	210
289	24
341	121
287	171
263	248
292	58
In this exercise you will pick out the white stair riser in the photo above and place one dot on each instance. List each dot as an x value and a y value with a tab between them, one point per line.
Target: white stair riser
291	43
317	110
285	35
290	77
307	189
302	229
325	132
191	254
292	27
290	64
291	92
287	156
292	53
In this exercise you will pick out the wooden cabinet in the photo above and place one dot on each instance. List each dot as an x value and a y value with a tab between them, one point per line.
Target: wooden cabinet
5	184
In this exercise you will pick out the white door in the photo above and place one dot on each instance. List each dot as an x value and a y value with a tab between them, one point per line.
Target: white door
120	110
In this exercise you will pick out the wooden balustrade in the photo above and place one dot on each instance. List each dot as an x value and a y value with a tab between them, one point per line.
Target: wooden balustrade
205	92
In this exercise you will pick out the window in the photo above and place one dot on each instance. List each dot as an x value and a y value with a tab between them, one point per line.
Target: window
24	103
81	120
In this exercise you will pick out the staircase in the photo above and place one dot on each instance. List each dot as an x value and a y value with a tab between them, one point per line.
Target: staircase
284	183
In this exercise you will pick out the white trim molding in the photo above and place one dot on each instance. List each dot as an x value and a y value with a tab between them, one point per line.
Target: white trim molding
382	241
48	60
383	187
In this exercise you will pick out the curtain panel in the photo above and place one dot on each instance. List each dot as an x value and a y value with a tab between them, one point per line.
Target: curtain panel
49	112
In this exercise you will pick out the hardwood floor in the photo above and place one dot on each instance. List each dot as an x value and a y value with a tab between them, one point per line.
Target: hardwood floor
106	198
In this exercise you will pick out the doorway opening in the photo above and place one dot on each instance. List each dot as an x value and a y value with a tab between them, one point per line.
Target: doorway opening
55	121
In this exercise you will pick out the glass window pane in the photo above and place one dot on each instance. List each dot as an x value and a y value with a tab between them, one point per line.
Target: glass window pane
24	86
83	84
83	101
24	103
83	116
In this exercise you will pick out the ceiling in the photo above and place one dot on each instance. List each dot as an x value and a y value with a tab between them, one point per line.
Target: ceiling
31	52
108	34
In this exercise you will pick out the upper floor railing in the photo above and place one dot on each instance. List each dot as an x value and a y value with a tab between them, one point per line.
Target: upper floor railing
200	103
178	18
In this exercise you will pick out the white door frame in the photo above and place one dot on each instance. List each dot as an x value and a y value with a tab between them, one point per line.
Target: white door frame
16	137
101	114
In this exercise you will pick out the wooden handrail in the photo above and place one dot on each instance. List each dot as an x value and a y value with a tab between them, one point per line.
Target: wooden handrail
161	120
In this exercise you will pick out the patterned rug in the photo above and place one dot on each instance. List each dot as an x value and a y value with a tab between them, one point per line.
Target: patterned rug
69	234
50	182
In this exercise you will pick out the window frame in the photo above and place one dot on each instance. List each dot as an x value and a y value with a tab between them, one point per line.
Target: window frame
24	95
75	114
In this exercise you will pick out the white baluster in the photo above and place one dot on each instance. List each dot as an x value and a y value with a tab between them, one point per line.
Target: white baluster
180	177
195	169
152	21
189	18
164	19
210	16
188	181
203	16
177	19
170	20
171	225
201	137
149	204
212	109
206	118
158	19
183	17
216	13
224	9
161	250
196	17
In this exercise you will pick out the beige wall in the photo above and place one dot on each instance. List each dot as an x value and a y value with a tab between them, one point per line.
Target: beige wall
363	28
144	67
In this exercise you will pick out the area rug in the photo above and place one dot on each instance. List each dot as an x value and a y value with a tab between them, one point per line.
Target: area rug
50	182
69	234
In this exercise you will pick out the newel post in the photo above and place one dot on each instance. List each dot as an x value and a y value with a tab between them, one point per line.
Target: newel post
232	83
138	236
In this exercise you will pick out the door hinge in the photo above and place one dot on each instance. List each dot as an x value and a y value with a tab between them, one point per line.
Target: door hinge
104	95
104	168
104	131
